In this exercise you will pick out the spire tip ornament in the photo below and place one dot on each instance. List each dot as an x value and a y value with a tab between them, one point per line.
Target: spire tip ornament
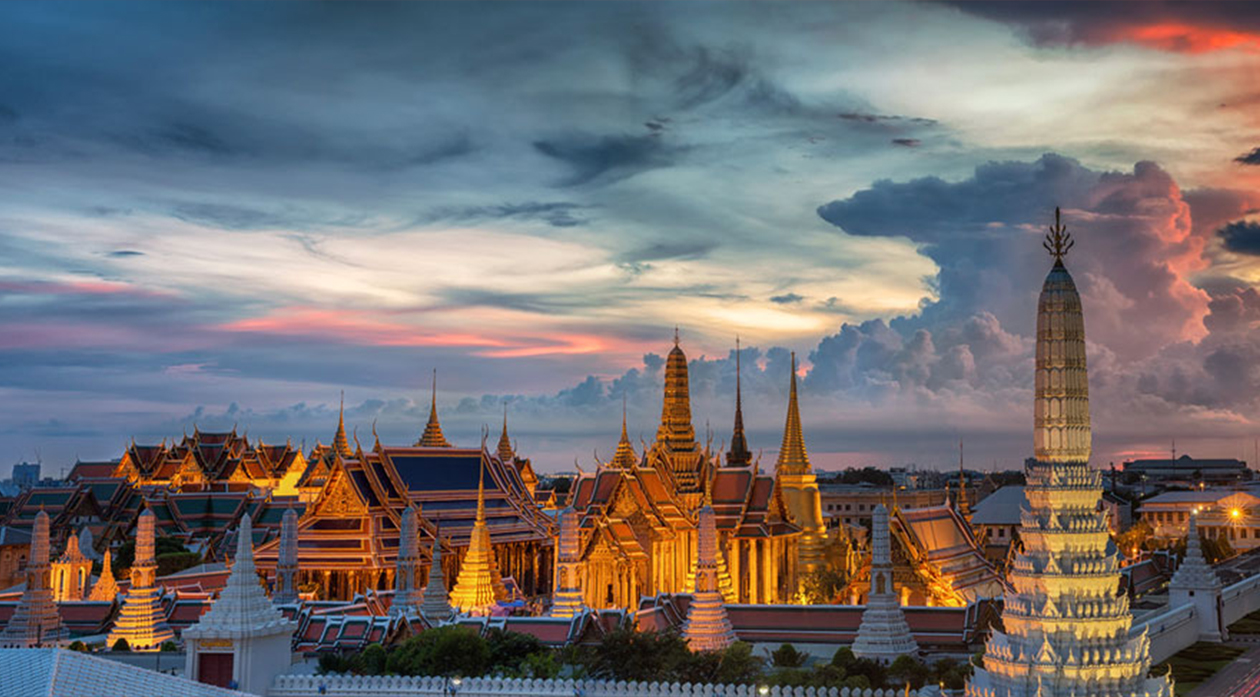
1058	240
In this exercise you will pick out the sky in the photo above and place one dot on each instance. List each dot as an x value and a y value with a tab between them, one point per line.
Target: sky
220	215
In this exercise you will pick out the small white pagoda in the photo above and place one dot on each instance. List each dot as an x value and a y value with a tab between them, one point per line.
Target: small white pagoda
883	634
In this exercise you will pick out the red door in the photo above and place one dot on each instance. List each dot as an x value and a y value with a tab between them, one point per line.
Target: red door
215	669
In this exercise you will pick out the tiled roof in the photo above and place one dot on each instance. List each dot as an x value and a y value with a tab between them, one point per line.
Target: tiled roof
63	673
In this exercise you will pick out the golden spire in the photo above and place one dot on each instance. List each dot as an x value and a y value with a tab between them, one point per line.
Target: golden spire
676	430
340	443
793	458
481	494
963	507
433	437
505	444
739	455
479	584
625	456
1058	241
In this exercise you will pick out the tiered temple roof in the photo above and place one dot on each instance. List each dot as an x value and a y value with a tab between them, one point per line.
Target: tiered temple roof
35	622
142	621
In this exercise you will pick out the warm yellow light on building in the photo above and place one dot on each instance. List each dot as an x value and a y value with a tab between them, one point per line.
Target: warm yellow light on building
1235	513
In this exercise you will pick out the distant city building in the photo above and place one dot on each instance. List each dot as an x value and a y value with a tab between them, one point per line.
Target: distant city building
1188	469
26	475
854	504
1223	513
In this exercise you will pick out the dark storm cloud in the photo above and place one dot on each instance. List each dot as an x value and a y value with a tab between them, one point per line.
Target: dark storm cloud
668	250
786	299
907	142
554	213
607	157
1251	158
1242	237
125	253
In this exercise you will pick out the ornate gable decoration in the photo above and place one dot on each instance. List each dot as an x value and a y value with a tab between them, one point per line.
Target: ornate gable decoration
339	497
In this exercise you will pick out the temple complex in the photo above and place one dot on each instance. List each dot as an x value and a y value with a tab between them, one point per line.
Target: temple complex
637	515
1065	628
883	634
213	461
36	621
799	485
142	621
707	628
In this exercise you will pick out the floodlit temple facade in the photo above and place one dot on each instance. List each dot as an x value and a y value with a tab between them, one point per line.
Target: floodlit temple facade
638	514
1066	630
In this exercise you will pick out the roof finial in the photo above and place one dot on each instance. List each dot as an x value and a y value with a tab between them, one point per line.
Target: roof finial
432	436
1058	241
675	335
481	492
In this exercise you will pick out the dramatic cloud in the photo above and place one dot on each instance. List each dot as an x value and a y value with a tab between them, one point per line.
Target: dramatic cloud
1251	158
1242	237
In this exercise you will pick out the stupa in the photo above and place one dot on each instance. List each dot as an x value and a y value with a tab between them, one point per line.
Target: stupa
142	621
35	622
707	627
799	485
884	634
436	608
286	590
1196	583
432	436
244	640
1066	628
106	586
566	601
478	586
407	597
71	573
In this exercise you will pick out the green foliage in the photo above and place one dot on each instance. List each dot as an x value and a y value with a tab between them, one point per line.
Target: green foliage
509	652
175	562
952	674
907	669
823	586
77	645
448	651
873	671
168	646
125	555
738	665
122	645
626	654
1140	536
870	475
372	660
786	656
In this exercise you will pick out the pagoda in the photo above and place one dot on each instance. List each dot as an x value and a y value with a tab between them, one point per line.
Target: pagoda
436	607
35	622
799	486
707	627
1066	631
675	448
432	436
71	573
478	588
243	640
106	586
567	599
406	595
142	621
1196	583
286	590
883	634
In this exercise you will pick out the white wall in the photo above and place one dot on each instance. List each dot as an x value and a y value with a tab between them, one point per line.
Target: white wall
1170	632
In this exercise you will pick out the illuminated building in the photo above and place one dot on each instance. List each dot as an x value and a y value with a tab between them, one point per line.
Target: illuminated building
798	484
1225	514
106	586
71	573
567	600
1065	628
479	586
407	596
883	634
36	621
638	514
213	461
707	628
142	621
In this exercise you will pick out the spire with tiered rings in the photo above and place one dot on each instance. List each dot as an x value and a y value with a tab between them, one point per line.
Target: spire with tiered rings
793	458
738	455
1064	631
964	507
407	598
676	430
286	590
433	437
567	600
436	607
142	621
884	634
341	444
36	621
707	626
106	586
624	457
506	454
478	585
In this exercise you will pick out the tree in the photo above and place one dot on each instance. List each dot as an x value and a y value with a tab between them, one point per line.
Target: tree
168	646
786	656
121	645
822	586
906	669
1136	538
516	654
449	651
77	645
162	547
627	654
738	665
372	660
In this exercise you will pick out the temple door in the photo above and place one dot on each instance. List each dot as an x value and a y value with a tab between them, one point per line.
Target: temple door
215	669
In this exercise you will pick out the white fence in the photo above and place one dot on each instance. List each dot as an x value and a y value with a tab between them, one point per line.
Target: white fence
397	686
1240	599
1170	632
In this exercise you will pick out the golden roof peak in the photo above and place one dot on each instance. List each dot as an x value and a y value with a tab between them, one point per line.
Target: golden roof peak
432	437
505	451
793	457
340	443
738	455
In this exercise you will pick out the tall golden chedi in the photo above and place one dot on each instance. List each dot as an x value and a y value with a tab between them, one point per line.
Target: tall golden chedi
675	448
36	621
142	621
799	486
478	588
1066	629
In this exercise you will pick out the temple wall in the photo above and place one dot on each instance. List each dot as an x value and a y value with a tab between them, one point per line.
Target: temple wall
1170	631
398	686
1240	600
